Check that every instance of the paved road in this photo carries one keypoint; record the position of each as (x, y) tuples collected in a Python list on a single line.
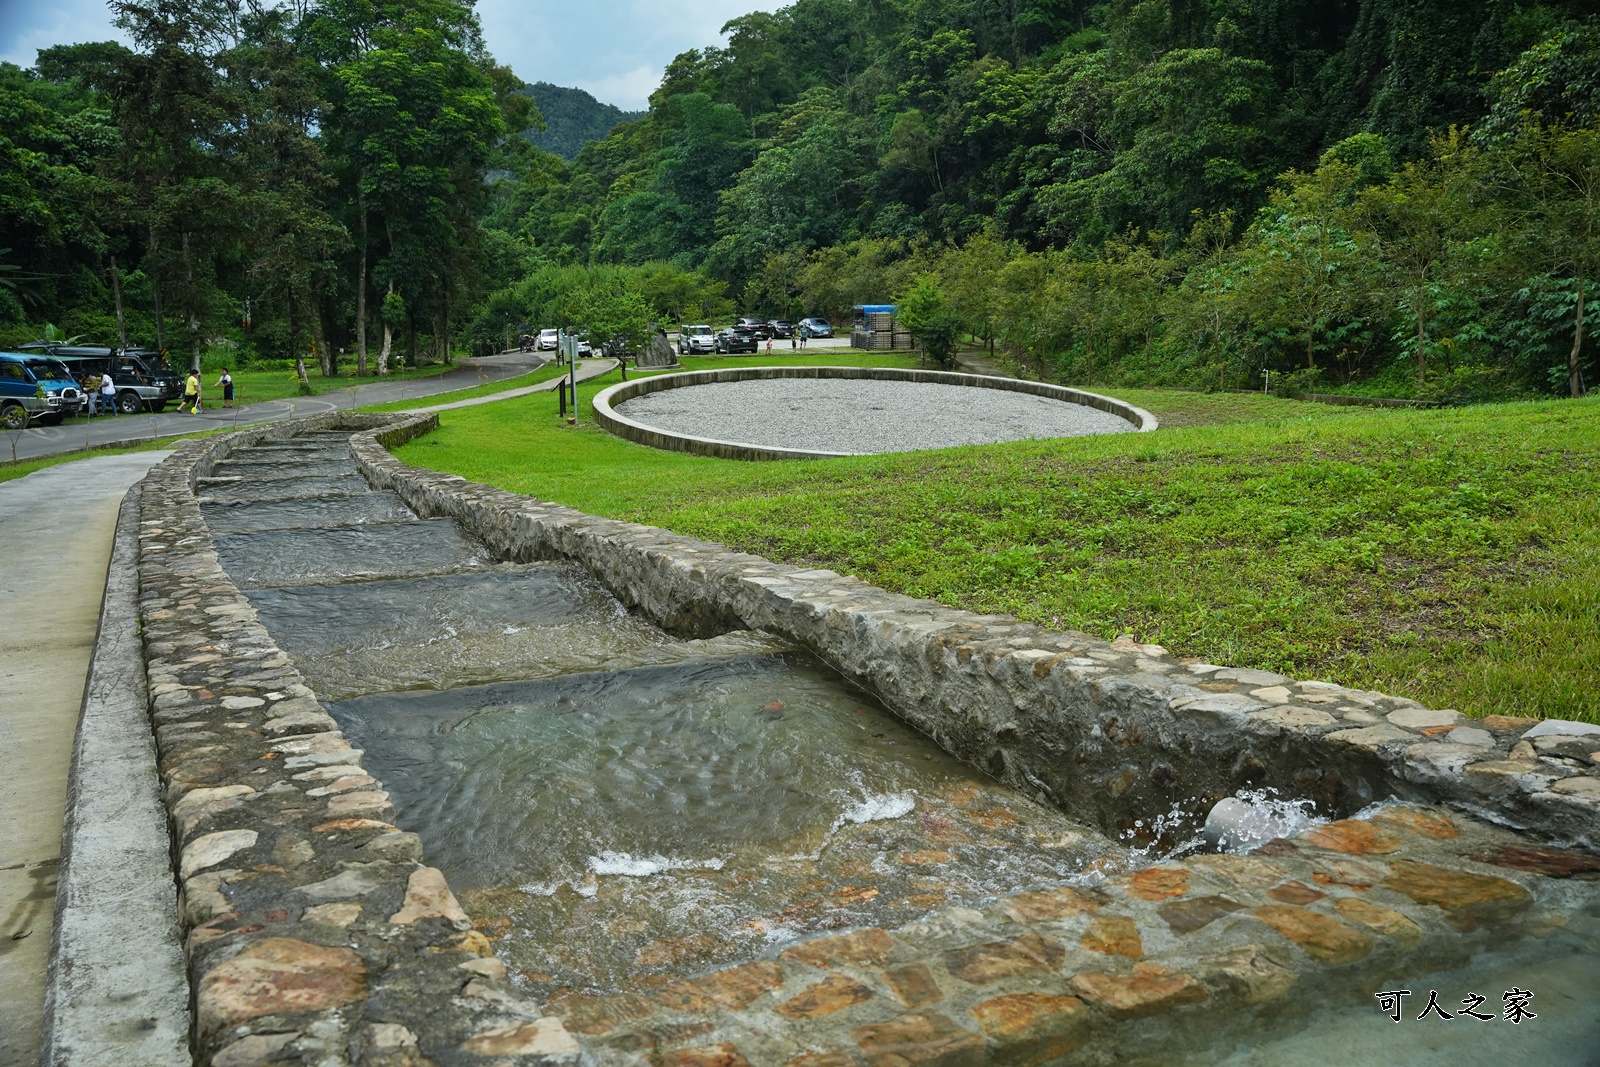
[(57, 526), (128, 429)]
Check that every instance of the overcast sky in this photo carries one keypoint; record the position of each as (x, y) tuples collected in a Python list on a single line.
[(616, 49)]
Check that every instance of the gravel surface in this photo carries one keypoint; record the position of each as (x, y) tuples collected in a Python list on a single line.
[(844, 415)]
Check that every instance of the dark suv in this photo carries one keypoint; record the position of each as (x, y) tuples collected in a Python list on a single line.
[(758, 327), (143, 380), (736, 339)]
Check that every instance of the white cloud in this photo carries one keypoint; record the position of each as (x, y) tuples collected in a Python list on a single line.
[(602, 47), (615, 49), (624, 89), (29, 25)]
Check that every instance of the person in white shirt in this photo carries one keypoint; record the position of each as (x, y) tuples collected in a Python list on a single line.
[(108, 393)]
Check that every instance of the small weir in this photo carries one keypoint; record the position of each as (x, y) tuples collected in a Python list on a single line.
[(616, 807)]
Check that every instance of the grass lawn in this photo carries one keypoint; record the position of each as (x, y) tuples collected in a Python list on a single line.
[(251, 386), (9, 470), (543, 374), (1448, 555)]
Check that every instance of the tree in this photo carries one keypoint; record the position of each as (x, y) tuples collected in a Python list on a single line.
[(923, 312), (1553, 176), (1413, 219)]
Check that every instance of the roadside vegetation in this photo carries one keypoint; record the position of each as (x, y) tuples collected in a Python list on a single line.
[(1450, 555)]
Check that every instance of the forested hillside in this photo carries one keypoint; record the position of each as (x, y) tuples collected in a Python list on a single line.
[(1392, 196), (572, 118), (1395, 191)]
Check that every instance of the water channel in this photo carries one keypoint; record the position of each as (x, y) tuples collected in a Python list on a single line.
[(616, 807)]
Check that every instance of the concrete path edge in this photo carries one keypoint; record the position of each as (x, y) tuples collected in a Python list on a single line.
[(117, 991)]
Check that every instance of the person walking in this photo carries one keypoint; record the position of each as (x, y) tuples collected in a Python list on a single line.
[(108, 393), (191, 393), (226, 381)]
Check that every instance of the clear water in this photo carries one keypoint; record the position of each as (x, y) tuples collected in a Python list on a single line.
[(301, 487), (615, 805), (532, 621), (1562, 972), (247, 516), (308, 556), (621, 827)]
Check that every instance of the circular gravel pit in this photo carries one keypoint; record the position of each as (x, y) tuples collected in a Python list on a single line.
[(799, 411)]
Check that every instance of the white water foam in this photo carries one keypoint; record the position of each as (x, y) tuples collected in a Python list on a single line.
[(644, 866), (878, 808)]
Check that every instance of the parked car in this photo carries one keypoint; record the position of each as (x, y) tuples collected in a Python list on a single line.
[(144, 381), (585, 349), (36, 388), (549, 340), (758, 327), (781, 329), (696, 340), (816, 328), (735, 339)]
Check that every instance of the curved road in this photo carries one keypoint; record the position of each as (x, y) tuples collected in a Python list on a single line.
[(135, 429)]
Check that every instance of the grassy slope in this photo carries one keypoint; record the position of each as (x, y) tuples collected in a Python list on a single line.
[(1452, 555)]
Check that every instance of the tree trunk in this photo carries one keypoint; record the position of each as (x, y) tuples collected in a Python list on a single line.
[(1311, 348), (1422, 337), (299, 356), (388, 341), (1574, 367), (192, 320), (361, 290), (116, 295), (319, 345), (155, 288)]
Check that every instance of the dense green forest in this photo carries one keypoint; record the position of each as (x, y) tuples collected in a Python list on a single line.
[(572, 118), (1389, 196)]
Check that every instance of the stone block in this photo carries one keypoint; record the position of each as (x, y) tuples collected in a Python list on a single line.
[(1150, 990), (982, 964), (279, 975), (1324, 939), (920, 1040), (1028, 1029)]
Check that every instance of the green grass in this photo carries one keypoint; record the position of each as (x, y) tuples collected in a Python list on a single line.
[(543, 374), (9, 470), (1448, 555), (252, 386)]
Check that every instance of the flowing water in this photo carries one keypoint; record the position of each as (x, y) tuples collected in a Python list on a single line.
[(615, 806)]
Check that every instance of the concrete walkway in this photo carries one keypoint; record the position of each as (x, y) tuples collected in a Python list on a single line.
[(57, 526), (105, 432)]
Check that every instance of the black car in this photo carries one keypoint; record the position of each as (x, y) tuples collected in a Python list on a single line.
[(736, 339), (758, 327), (781, 329), (144, 381)]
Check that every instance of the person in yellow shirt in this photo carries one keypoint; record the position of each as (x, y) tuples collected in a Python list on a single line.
[(191, 393)]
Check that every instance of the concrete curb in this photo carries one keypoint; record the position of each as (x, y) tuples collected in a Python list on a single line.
[(622, 426), (116, 990)]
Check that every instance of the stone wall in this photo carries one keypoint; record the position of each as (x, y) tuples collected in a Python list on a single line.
[(615, 422), (315, 933)]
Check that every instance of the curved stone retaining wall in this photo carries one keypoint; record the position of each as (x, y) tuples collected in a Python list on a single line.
[(315, 933), (606, 402)]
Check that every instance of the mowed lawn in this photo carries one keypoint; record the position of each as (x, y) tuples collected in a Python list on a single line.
[(1449, 555)]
